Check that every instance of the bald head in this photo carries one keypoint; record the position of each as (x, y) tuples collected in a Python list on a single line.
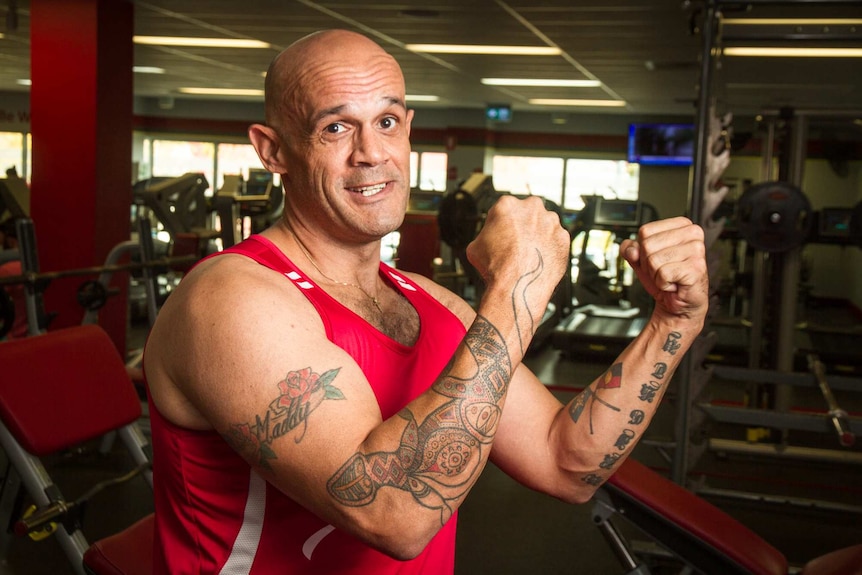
[(316, 58)]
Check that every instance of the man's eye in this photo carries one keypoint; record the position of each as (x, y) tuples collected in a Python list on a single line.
[(333, 129), (387, 123)]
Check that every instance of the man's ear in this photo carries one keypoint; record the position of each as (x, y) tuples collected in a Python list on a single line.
[(409, 121), (267, 144)]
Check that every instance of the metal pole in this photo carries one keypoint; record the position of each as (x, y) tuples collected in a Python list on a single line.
[(697, 190), (29, 251), (838, 416), (791, 263), (145, 237)]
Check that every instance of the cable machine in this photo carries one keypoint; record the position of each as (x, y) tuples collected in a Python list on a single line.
[(776, 273)]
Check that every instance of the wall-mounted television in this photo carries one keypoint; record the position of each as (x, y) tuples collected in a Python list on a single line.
[(661, 144)]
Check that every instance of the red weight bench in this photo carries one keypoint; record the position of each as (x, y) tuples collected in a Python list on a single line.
[(129, 552), (60, 390), (696, 532)]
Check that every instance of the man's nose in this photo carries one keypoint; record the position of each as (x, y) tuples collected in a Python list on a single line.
[(369, 147)]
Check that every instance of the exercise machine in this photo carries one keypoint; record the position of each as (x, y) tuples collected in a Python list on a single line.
[(61, 390), (697, 535), (775, 217), (776, 270), (14, 198), (92, 294), (181, 207), (248, 206), (460, 217), (609, 309)]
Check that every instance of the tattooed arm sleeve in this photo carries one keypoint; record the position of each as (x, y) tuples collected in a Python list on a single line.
[(439, 456)]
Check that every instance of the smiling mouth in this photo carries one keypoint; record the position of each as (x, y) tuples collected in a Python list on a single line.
[(369, 191)]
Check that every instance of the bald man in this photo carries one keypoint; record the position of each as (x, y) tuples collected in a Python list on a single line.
[(316, 411)]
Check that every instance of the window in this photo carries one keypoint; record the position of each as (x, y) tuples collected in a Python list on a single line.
[(432, 171), (429, 171), (237, 159), (414, 170), (564, 181), (528, 175), (29, 159), (12, 153), (607, 178), (175, 158)]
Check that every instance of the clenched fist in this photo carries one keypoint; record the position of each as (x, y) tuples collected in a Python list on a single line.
[(522, 249), (669, 258)]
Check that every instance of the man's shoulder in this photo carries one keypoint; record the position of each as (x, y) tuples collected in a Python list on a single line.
[(231, 286)]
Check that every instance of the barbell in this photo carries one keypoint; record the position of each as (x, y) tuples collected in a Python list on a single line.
[(91, 295), (35, 278)]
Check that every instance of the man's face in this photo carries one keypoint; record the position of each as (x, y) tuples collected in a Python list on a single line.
[(348, 153)]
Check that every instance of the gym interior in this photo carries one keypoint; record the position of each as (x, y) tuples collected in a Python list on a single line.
[(752, 464)]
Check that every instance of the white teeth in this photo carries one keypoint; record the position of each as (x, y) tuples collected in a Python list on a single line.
[(368, 191)]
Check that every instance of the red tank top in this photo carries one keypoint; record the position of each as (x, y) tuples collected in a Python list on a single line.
[(215, 515)]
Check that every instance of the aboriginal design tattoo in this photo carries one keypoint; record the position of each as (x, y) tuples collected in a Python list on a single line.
[(611, 380), (520, 306), (300, 393), (672, 345), (438, 459)]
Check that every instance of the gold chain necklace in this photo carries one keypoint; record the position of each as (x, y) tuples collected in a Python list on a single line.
[(373, 299)]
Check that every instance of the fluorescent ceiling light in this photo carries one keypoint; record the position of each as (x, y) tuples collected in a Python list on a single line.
[(792, 22), (200, 42), (476, 49), (421, 98), (221, 91), (541, 83), (148, 70), (24, 82), (588, 103), (778, 52)]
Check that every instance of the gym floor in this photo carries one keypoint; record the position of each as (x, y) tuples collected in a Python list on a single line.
[(505, 528)]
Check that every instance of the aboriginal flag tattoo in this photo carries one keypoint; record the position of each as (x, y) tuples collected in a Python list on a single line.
[(612, 379)]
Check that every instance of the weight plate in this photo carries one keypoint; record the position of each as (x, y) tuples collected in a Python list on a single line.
[(92, 295), (458, 219), (774, 216)]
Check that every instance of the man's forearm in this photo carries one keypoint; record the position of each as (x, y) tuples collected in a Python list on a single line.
[(612, 414), (444, 436)]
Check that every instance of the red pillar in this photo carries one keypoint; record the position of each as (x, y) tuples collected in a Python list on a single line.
[(81, 120)]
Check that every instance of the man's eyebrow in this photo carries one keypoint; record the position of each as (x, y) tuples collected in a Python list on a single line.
[(335, 110), (396, 101), (328, 112)]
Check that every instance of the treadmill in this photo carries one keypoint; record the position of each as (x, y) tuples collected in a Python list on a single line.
[(604, 318)]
